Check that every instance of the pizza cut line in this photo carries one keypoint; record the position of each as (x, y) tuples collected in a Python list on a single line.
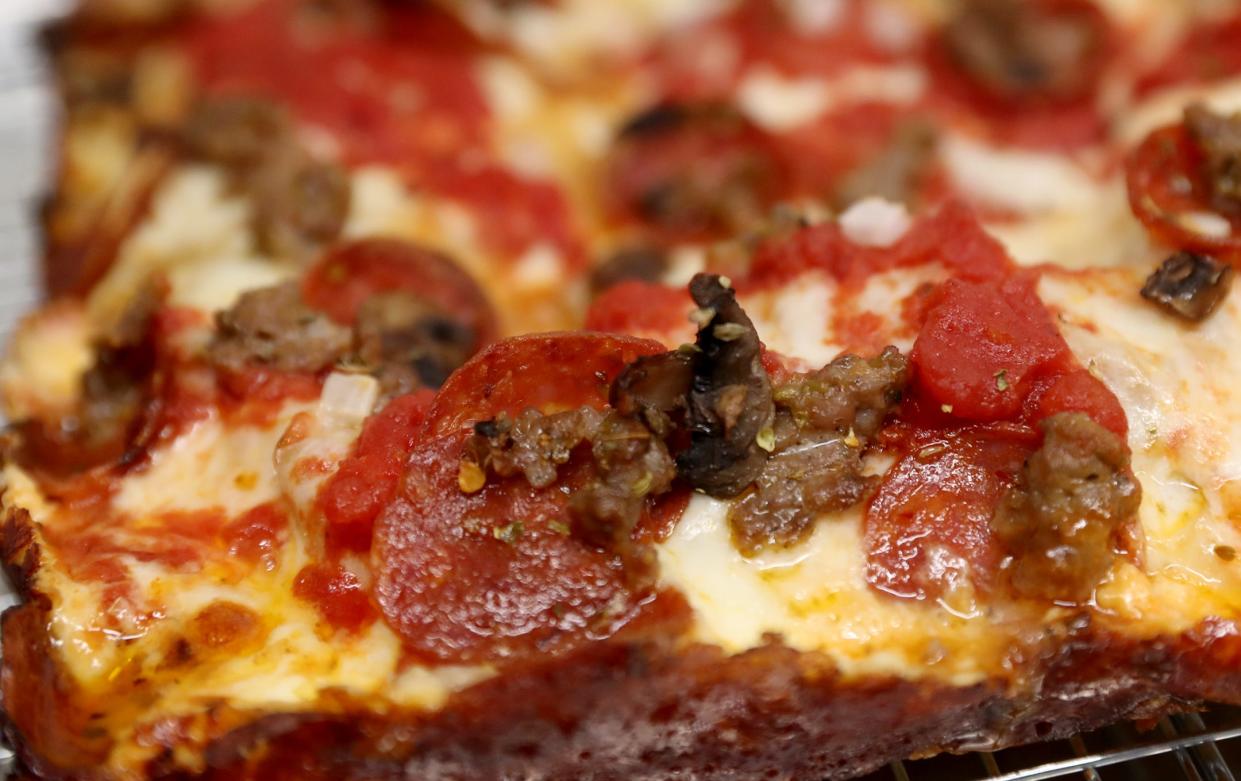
[(561, 389)]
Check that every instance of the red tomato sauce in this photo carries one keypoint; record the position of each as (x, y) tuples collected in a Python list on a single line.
[(257, 535), (644, 309), (401, 93), (367, 479), (338, 595)]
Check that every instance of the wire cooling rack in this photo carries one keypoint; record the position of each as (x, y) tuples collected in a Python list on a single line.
[(1188, 747), (1191, 747)]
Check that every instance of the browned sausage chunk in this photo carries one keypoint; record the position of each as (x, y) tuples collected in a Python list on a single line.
[(1026, 49), (273, 327), (1219, 138), (824, 421), (694, 170), (1062, 518), (408, 343)]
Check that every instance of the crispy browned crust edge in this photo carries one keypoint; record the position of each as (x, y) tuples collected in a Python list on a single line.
[(645, 709), (82, 232)]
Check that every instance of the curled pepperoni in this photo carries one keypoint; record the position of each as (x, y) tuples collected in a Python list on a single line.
[(548, 372), (1029, 69), (351, 274), (982, 347), (928, 527), (1168, 193)]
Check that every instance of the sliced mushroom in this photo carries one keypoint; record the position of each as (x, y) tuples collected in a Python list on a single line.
[(1189, 285), (730, 401)]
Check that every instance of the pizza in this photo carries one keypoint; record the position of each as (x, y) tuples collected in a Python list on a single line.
[(562, 389)]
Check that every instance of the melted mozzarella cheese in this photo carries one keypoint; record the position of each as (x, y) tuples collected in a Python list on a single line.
[(193, 220), (105, 641)]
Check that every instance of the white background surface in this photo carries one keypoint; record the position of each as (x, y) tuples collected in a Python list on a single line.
[(26, 116), (26, 119)]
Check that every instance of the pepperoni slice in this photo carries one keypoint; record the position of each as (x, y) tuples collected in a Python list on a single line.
[(495, 574), (982, 347), (644, 309), (549, 372), (350, 274), (928, 527), (1166, 189), (492, 575)]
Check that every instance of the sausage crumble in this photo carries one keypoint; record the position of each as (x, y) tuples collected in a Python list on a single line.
[(299, 203), (824, 421), (273, 327), (1062, 519)]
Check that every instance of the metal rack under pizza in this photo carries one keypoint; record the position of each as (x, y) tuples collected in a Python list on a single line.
[(1188, 747)]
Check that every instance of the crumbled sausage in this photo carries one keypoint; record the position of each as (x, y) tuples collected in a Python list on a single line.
[(273, 327), (631, 464), (1018, 50), (236, 132), (643, 263), (729, 402), (894, 173), (409, 343), (300, 205), (1219, 138), (532, 444), (702, 169), (1062, 518), (115, 392), (1189, 285), (824, 421)]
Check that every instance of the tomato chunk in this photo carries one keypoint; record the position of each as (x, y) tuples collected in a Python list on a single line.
[(366, 481), (982, 346)]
